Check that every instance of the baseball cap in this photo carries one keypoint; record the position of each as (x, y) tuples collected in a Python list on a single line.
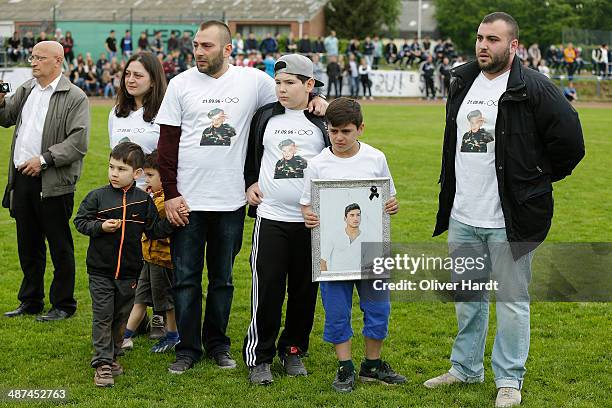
[(296, 64)]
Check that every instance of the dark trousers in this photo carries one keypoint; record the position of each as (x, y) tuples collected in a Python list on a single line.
[(38, 218), (337, 84), (430, 87), (220, 234), (281, 263), (365, 84), (111, 303)]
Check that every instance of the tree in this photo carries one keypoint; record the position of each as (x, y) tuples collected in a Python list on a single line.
[(360, 18)]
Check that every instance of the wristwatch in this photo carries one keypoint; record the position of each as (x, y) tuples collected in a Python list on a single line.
[(43, 163)]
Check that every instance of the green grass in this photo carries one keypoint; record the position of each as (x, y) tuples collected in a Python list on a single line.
[(570, 358)]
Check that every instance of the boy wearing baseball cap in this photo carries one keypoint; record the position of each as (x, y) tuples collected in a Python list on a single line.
[(284, 136)]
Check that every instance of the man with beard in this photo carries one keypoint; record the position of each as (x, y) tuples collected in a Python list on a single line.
[(501, 199), (208, 179)]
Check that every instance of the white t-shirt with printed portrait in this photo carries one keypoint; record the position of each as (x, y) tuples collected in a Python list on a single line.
[(133, 128), (290, 141), (214, 115), (477, 200)]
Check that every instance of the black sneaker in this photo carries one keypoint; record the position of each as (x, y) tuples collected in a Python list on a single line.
[(383, 374), (224, 360), (292, 362), (181, 365), (345, 380), (260, 374)]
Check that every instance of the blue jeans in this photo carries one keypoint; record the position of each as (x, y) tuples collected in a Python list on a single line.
[(511, 345), (220, 233), (354, 83)]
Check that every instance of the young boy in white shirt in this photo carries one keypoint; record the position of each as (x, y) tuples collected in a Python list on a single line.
[(347, 158), (283, 138)]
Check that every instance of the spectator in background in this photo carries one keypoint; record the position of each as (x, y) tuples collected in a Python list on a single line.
[(91, 80), (186, 63), (391, 52), (304, 45), (268, 46), (170, 66), (240, 61), (331, 45), (428, 70), (345, 72), (438, 51), (579, 60), (334, 76), (570, 92), (319, 47), (417, 51), (535, 56), (449, 49), (290, 45), (14, 49), (110, 44), (79, 75), (569, 57), (353, 47), (522, 53), (459, 61), (28, 43), (378, 51), (605, 60), (173, 44), (106, 81), (68, 45), (157, 47), (427, 45), (364, 77), (405, 54), (102, 61), (58, 35), (445, 77), (186, 45), (251, 43), (143, 42), (237, 45), (127, 46), (269, 62), (41, 37), (353, 71), (543, 68), (318, 68), (551, 56), (368, 51)]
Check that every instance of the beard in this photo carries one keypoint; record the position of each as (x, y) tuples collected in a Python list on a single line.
[(498, 62), (215, 63)]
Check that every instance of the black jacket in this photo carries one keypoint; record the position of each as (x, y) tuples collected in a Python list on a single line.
[(106, 249), (538, 140), (256, 147)]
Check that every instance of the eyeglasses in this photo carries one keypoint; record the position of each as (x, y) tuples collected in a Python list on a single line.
[(36, 58)]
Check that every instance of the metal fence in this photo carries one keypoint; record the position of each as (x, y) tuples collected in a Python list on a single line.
[(586, 37)]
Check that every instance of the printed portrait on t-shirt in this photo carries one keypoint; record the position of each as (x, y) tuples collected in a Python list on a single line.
[(291, 165), (218, 133), (475, 140)]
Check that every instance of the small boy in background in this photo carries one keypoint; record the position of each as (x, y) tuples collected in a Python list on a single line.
[(346, 159), (155, 282), (115, 217)]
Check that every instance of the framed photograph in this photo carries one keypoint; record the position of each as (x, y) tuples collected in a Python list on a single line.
[(354, 227)]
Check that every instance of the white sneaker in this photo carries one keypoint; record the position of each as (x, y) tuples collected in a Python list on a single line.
[(444, 379), (507, 397), (127, 344)]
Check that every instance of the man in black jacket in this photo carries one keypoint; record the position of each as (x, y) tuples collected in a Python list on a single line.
[(500, 198)]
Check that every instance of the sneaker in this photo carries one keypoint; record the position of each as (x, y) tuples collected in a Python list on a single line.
[(444, 379), (116, 369), (181, 365), (508, 397), (157, 327), (292, 362), (260, 374), (383, 374), (345, 380), (104, 376), (164, 344), (128, 344), (224, 360)]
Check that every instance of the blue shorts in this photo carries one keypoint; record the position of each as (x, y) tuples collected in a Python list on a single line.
[(338, 301)]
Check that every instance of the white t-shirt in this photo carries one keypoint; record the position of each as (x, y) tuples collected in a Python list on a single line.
[(214, 115), (281, 180), (369, 162), (133, 129), (477, 200)]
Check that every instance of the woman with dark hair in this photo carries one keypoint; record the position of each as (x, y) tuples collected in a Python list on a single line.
[(140, 94), (68, 44)]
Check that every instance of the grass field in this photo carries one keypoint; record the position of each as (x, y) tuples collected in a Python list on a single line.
[(571, 349)]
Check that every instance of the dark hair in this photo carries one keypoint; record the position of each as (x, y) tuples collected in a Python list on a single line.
[(129, 153), (152, 100), (150, 161), (342, 111), (350, 208), (225, 35), (507, 18)]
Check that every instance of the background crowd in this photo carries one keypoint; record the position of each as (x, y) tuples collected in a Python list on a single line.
[(349, 62)]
